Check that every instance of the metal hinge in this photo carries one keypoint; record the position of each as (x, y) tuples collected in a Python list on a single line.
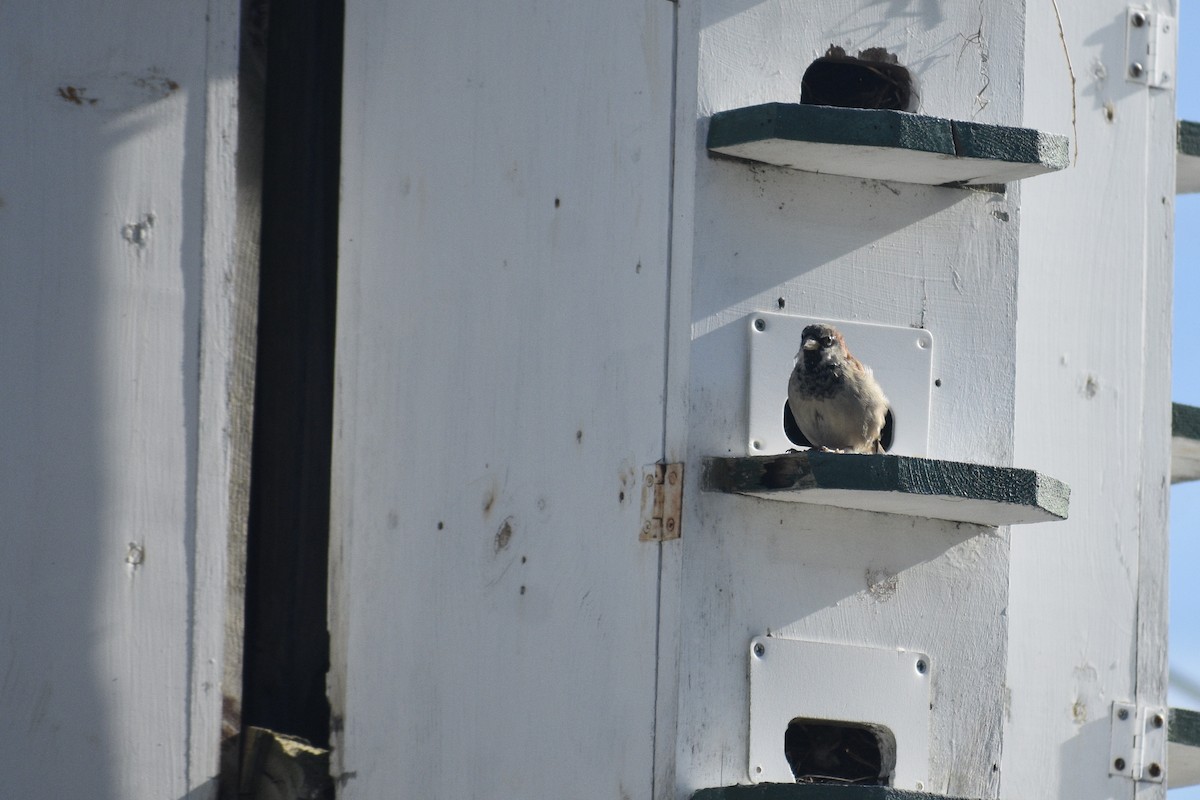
[(1138, 748), (1149, 47), (662, 502)]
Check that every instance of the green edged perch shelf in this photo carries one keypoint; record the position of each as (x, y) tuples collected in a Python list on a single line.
[(1183, 748), (885, 145), (811, 791), (1187, 157), (915, 487), (1185, 443)]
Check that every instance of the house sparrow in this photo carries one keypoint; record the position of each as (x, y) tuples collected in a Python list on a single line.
[(834, 398)]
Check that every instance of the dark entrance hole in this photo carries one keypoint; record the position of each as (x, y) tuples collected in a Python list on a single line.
[(826, 751), (871, 80)]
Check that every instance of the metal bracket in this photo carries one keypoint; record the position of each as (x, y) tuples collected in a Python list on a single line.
[(1149, 47), (662, 502), (1138, 747)]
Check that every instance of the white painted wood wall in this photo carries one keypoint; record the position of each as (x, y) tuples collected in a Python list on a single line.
[(116, 257), (505, 371), (542, 278)]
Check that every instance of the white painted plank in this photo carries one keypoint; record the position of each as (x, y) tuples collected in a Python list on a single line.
[(114, 229), (1185, 443), (501, 357), (1187, 175), (1087, 618), (771, 239)]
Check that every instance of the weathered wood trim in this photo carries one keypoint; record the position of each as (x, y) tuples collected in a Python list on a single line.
[(899, 145), (949, 490)]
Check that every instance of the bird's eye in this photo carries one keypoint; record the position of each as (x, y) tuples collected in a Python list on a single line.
[(826, 341)]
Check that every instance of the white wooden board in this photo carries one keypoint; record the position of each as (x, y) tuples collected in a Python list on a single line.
[(500, 389), (1087, 612), (884, 163), (116, 297), (774, 240)]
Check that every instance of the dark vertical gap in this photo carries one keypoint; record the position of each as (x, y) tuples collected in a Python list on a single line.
[(286, 654)]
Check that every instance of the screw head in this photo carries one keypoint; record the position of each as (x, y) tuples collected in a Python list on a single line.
[(922, 666), (1136, 70), (760, 324), (1119, 765), (1159, 721), (1155, 770), (1123, 713), (1137, 19), (759, 649)]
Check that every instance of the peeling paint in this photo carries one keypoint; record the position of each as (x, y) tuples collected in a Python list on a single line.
[(138, 233), (503, 535)]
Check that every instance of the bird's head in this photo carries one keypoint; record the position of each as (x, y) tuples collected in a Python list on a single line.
[(821, 343)]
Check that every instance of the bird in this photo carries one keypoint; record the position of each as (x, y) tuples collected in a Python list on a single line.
[(834, 398)]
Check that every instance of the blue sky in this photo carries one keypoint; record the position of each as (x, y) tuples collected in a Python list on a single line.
[(1184, 645)]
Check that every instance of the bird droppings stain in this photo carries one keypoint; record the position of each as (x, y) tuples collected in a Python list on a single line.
[(541, 504), (489, 500), (441, 525), (1079, 712), (1090, 387), (557, 202), (156, 84), (579, 437), (1110, 111), (638, 268), (882, 584), (504, 535), (522, 590), (135, 555), (937, 382), (781, 302), (138, 233), (621, 496), (524, 559), (393, 520), (76, 95), (1000, 214)]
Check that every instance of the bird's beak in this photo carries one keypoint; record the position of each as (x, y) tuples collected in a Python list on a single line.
[(810, 344)]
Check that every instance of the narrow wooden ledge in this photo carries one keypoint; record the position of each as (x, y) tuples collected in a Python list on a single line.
[(885, 145), (915, 487), (1185, 443), (1183, 748), (1187, 157), (811, 791)]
